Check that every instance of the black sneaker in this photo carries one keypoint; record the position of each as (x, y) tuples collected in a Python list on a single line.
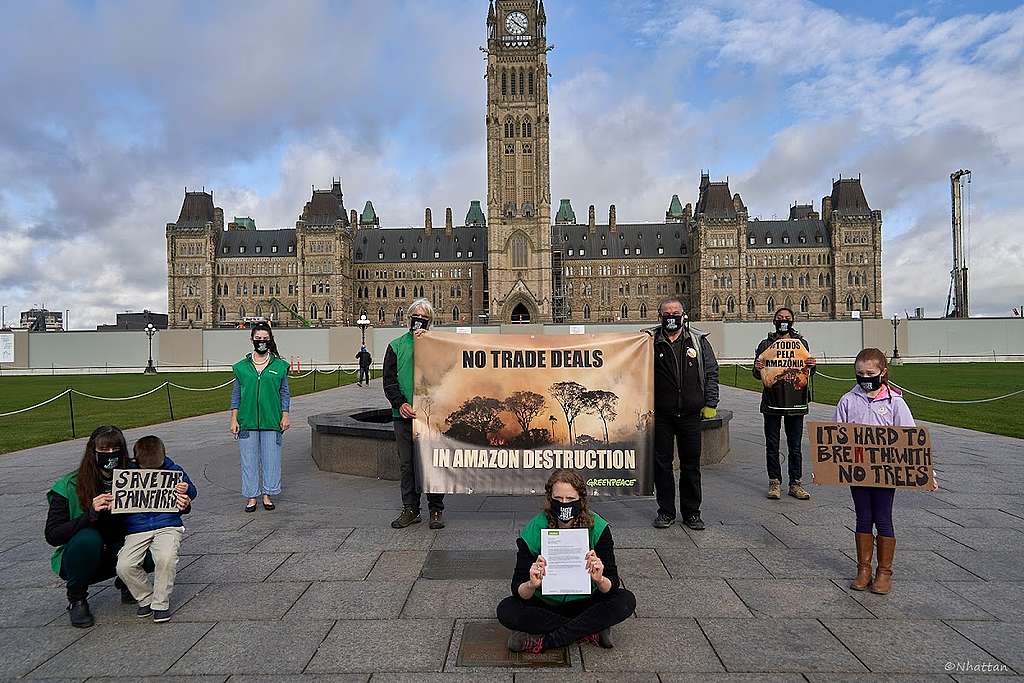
[(408, 517), (663, 521), (143, 611), (80, 614), (604, 638), (694, 522), (435, 520), (161, 615)]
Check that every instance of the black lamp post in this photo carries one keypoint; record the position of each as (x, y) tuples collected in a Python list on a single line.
[(895, 346), (363, 323), (150, 331)]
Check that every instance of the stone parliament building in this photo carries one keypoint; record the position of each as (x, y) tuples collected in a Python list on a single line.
[(511, 261)]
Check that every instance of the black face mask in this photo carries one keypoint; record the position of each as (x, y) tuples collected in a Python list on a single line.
[(418, 322), (783, 326), (869, 383), (261, 345), (566, 512), (671, 323), (108, 461)]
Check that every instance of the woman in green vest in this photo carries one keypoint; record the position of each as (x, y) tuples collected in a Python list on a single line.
[(260, 401), (80, 526), (539, 622)]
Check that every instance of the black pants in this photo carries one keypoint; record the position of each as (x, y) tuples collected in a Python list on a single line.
[(87, 560), (794, 432), (570, 621), (364, 375), (411, 489), (669, 431)]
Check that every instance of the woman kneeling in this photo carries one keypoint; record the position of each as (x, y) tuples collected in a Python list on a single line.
[(540, 622)]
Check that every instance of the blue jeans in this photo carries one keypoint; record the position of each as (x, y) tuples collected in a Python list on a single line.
[(261, 455)]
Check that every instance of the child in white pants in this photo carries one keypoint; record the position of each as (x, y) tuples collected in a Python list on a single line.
[(159, 534)]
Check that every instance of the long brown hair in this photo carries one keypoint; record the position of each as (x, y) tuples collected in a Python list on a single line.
[(585, 520), (264, 327), (88, 482)]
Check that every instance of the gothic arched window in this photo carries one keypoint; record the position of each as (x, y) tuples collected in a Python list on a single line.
[(512, 80), (222, 314), (519, 255), (456, 314), (804, 305), (328, 313), (643, 311), (750, 305), (530, 81), (586, 311), (770, 306), (510, 128), (241, 312), (624, 312), (312, 311), (849, 302), (522, 82), (824, 304), (504, 83), (380, 314), (199, 312), (183, 313), (864, 304), (730, 305)]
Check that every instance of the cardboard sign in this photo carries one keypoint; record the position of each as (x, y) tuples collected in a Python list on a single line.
[(784, 362), (849, 454), (145, 491)]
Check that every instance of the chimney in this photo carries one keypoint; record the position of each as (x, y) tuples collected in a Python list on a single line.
[(428, 224), (611, 218), (591, 221), (353, 219), (448, 221)]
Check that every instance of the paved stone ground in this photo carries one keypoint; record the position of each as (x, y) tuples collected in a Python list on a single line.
[(323, 589)]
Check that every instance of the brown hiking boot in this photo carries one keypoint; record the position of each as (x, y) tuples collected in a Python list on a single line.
[(408, 517), (865, 547), (435, 520), (774, 489), (797, 490), (883, 573)]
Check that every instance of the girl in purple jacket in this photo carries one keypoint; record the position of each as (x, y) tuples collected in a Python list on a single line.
[(873, 402)]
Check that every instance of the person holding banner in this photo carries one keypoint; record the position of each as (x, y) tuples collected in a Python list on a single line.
[(685, 391), (80, 526), (784, 401), (157, 534), (398, 388), (873, 402), (540, 622), (260, 402)]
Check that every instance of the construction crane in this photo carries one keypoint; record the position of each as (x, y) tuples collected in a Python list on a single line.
[(293, 312), (957, 305)]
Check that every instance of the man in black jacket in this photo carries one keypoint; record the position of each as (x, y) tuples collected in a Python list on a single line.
[(783, 403), (365, 360), (685, 391)]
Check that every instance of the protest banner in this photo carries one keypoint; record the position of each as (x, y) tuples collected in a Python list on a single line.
[(145, 491), (848, 454), (495, 414), (785, 374)]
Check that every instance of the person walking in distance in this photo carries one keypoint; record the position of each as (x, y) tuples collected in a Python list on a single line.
[(398, 387), (685, 391), (784, 403), (365, 360)]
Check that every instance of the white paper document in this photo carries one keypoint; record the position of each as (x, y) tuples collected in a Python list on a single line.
[(565, 551)]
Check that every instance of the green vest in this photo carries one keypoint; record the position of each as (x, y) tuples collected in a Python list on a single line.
[(66, 487), (260, 405), (403, 348), (531, 536)]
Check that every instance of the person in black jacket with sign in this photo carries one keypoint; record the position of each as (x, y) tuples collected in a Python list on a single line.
[(783, 403), (685, 391)]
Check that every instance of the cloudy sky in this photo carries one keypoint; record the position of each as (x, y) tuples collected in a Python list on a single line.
[(111, 109)]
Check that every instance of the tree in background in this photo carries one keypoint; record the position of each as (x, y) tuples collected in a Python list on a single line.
[(569, 396), (602, 403), (475, 420), (525, 405)]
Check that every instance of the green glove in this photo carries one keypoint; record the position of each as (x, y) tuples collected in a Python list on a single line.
[(708, 413)]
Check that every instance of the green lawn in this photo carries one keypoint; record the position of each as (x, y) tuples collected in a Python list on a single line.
[(52, 422), (948, 381)]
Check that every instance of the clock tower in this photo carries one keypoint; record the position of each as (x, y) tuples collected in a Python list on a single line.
[(518, 180)]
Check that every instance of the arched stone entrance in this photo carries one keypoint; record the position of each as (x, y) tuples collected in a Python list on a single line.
[(520, 314)]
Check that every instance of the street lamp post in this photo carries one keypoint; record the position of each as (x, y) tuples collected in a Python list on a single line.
[(150, 331), (895, 346), (3, 318), (363, 323)]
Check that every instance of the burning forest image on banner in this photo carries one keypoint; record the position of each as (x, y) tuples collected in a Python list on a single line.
[(496, 414)]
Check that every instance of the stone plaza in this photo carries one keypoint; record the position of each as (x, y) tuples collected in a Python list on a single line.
[(323, 589)]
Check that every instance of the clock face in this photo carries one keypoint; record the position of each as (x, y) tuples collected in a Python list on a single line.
[(515, 23)]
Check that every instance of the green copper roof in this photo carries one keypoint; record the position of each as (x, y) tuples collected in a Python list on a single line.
[(565, 213), (368, 216), (675, 209), (475, 215), (245, 222)]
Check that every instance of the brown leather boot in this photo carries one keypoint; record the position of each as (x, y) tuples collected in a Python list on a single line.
[(883, 574), (865, 547)]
